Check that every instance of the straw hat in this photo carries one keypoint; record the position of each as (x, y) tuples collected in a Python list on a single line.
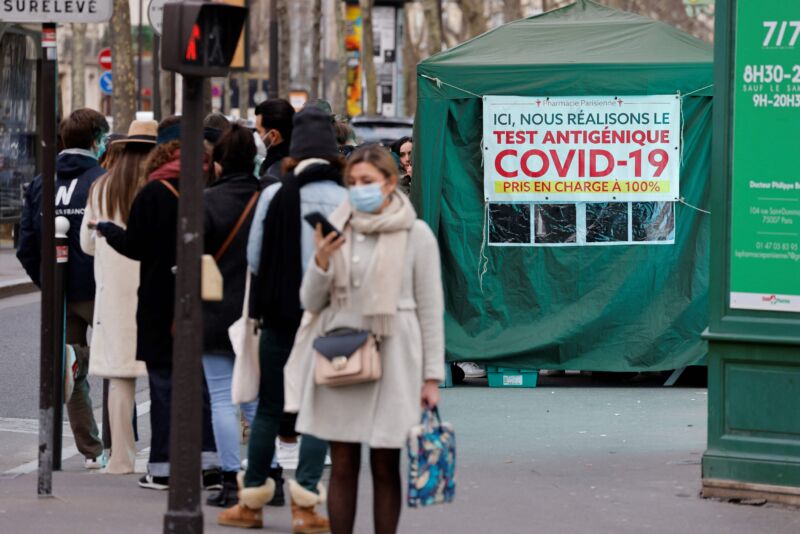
[(140, 132)]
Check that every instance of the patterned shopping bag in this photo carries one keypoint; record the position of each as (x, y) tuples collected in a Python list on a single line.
[(432, 461)]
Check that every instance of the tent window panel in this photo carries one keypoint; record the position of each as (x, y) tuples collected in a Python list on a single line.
[(555, 223), (653, 221), (509, 224), (606, 222)]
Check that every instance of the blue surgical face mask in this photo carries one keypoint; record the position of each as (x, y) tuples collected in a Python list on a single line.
[(257, 161), (101, 145), (367, 198)]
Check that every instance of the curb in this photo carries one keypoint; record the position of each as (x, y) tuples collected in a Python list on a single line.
[(19, 286)]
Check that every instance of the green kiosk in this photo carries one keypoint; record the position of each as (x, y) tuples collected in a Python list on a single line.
[(754, 329)]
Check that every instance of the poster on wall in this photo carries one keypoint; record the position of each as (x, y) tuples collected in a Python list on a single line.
[(765, 181), (352, 45), (597, 149)]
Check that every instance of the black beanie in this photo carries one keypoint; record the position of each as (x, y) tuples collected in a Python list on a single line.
[(312, 135)]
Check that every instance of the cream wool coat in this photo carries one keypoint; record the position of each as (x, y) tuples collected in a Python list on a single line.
[(378, 413), (113, 349)]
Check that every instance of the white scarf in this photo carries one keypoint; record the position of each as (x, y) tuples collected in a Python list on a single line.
[(385, 272)]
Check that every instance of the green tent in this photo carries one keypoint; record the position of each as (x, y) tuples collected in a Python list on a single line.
[(600, 308)]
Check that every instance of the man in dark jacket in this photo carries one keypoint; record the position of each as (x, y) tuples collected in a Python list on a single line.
[(83, 135), (274, 124)]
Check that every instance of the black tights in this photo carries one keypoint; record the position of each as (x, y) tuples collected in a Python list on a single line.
[(385, 466)]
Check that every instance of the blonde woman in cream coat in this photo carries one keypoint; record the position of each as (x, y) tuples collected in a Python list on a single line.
[(382, 275)]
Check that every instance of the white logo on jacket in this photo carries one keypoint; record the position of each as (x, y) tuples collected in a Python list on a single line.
[(64, 194)]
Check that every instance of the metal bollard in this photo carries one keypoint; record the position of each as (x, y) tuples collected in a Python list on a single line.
[(59, 333)]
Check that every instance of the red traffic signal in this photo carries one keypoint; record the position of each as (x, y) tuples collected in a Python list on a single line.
[(200, 38)]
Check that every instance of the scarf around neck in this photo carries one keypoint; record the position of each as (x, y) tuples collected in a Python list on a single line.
[(280, 273), (171, 169), (384, 275)]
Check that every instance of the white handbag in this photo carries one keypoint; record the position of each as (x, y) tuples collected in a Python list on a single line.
[(244, 335)]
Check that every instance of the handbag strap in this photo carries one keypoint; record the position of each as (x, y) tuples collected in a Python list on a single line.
[(242, 218), (246, 303), (429, 416), (171, 188)]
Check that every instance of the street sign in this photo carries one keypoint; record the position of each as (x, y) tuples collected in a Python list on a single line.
[(155, 14), (54, 11), (106, 83), (104, 59)]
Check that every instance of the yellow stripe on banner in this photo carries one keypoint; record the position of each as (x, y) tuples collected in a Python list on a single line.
[(569, 187)]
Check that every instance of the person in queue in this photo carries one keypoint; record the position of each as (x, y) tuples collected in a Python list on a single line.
[(150, 238), (113, 350), (83, 136), (274, 126), (281, 245), (381, 275), (402, 148), (229, 203)]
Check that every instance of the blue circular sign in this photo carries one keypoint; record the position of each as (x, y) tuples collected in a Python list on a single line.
[(106, 85)]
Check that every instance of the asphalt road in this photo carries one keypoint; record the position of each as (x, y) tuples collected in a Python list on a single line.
[(19, 358), (19, 383)]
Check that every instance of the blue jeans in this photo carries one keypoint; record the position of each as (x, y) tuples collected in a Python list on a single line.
[(224, 414)]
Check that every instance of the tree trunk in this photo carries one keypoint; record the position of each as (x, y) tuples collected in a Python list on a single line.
[(474, 17), (316, 45), (123, 101), (411, 56), (167, 92), (284, 48), (78, 66), (340, 101), (367, 56), (433, 19), (512, 10)]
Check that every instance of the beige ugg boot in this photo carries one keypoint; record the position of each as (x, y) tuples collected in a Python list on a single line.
[(248, 513), (305, 520)]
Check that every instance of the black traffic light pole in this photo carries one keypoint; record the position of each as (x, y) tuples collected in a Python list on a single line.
[(48, 388), (185, 513)]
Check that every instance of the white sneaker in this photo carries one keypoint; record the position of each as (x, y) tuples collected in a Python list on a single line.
[(93, 463), (472, 370), (288, 454)]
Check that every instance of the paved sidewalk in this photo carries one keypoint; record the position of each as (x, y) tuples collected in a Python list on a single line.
[(13, 279), (554, 459)]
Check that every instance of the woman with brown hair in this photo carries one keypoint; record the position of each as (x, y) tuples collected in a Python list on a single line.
[(150, 238), (113, 349)]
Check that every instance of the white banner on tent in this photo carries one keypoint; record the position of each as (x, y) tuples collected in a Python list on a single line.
[(589, 148)]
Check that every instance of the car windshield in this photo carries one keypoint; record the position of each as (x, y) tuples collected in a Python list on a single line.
[(381, 131)]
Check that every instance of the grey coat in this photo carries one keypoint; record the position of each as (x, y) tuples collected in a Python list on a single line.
[(378, 413)]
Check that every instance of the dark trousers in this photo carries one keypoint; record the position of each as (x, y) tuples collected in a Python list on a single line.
[(160, 379), (273, 354), (79, 407)]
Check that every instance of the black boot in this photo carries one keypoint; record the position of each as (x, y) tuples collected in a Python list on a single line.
[(212, 479), (278, 499), (228, 495)]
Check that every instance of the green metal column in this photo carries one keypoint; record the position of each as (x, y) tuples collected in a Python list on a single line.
[(754, 328)]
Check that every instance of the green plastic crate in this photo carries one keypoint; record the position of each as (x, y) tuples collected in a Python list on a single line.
[(501, 377)]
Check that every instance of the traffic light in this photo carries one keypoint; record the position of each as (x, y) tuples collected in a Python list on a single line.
[(200, 38)]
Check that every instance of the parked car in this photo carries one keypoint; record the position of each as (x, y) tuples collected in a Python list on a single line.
[(382, 130)]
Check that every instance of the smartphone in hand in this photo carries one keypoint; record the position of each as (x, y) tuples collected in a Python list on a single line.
[(316, 218)]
